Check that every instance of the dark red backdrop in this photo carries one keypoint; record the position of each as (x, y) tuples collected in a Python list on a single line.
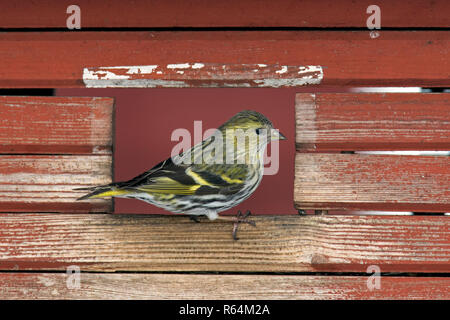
[(145, 119)]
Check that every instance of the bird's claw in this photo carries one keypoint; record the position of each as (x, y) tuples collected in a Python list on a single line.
[(194, 218), (242, 218)]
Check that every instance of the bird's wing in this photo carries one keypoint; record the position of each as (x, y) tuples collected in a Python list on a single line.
[(219, 178), (170, 178), (143, 178)]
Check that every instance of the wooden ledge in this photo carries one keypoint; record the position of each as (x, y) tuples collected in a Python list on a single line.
[(234, 287), (101, 242)]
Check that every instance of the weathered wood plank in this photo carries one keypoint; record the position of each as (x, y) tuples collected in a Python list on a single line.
[(233, 13), (46, 183), (372, 182), (372, 121), (235, 287), (203, 75), (347, 58), (100, 242), (55, 125)]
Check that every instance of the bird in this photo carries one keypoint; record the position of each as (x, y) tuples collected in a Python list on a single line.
[(214, 175)]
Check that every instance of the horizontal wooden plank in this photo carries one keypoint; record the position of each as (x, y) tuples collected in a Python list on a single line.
[(46, 183), (183, 75), (372, 182), (372, 121), (55, 125), (101, 242), (239, 287), (233, 13), (346, 58)]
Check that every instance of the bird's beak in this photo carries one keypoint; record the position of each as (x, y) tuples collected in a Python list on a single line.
[(277, 135)]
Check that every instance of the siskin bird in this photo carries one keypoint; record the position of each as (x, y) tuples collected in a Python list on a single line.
[(217, 174)]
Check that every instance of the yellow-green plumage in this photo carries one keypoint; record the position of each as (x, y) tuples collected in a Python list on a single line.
[(210, 177)]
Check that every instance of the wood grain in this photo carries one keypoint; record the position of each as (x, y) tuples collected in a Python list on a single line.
[(232, 13), (55, 125), (372, 121), (348, 58), (229, 287), (46, 183), (100, 242), (372, 182)]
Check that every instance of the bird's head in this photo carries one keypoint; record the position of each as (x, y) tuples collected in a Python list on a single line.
[(242, 139), (254, 125)]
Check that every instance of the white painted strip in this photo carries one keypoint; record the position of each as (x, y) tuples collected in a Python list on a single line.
[(101, 75), (197, 65), (215, 75), (283, 69), (179, 66), (137, 83), (386, 89), (293, 82), (408, 153), (305, 78)]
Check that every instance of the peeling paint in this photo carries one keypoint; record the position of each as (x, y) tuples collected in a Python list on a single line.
[(197, 65), (202, 75), (311, 75), (236, 85), (142, 69), (100, 74), (276, 83), (283, 69), (136, 83), (304, 69), (179, 66)]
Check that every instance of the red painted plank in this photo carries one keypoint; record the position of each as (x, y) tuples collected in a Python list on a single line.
[(372, 121), (230, 286), (46, 183), (232, 13), (347, 58), (372, 182), (55, 125), (101, 242)]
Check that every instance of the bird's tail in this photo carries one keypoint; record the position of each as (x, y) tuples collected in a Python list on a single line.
[(109, 190)]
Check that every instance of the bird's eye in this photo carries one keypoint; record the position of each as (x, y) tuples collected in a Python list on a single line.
[(258, 131)]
